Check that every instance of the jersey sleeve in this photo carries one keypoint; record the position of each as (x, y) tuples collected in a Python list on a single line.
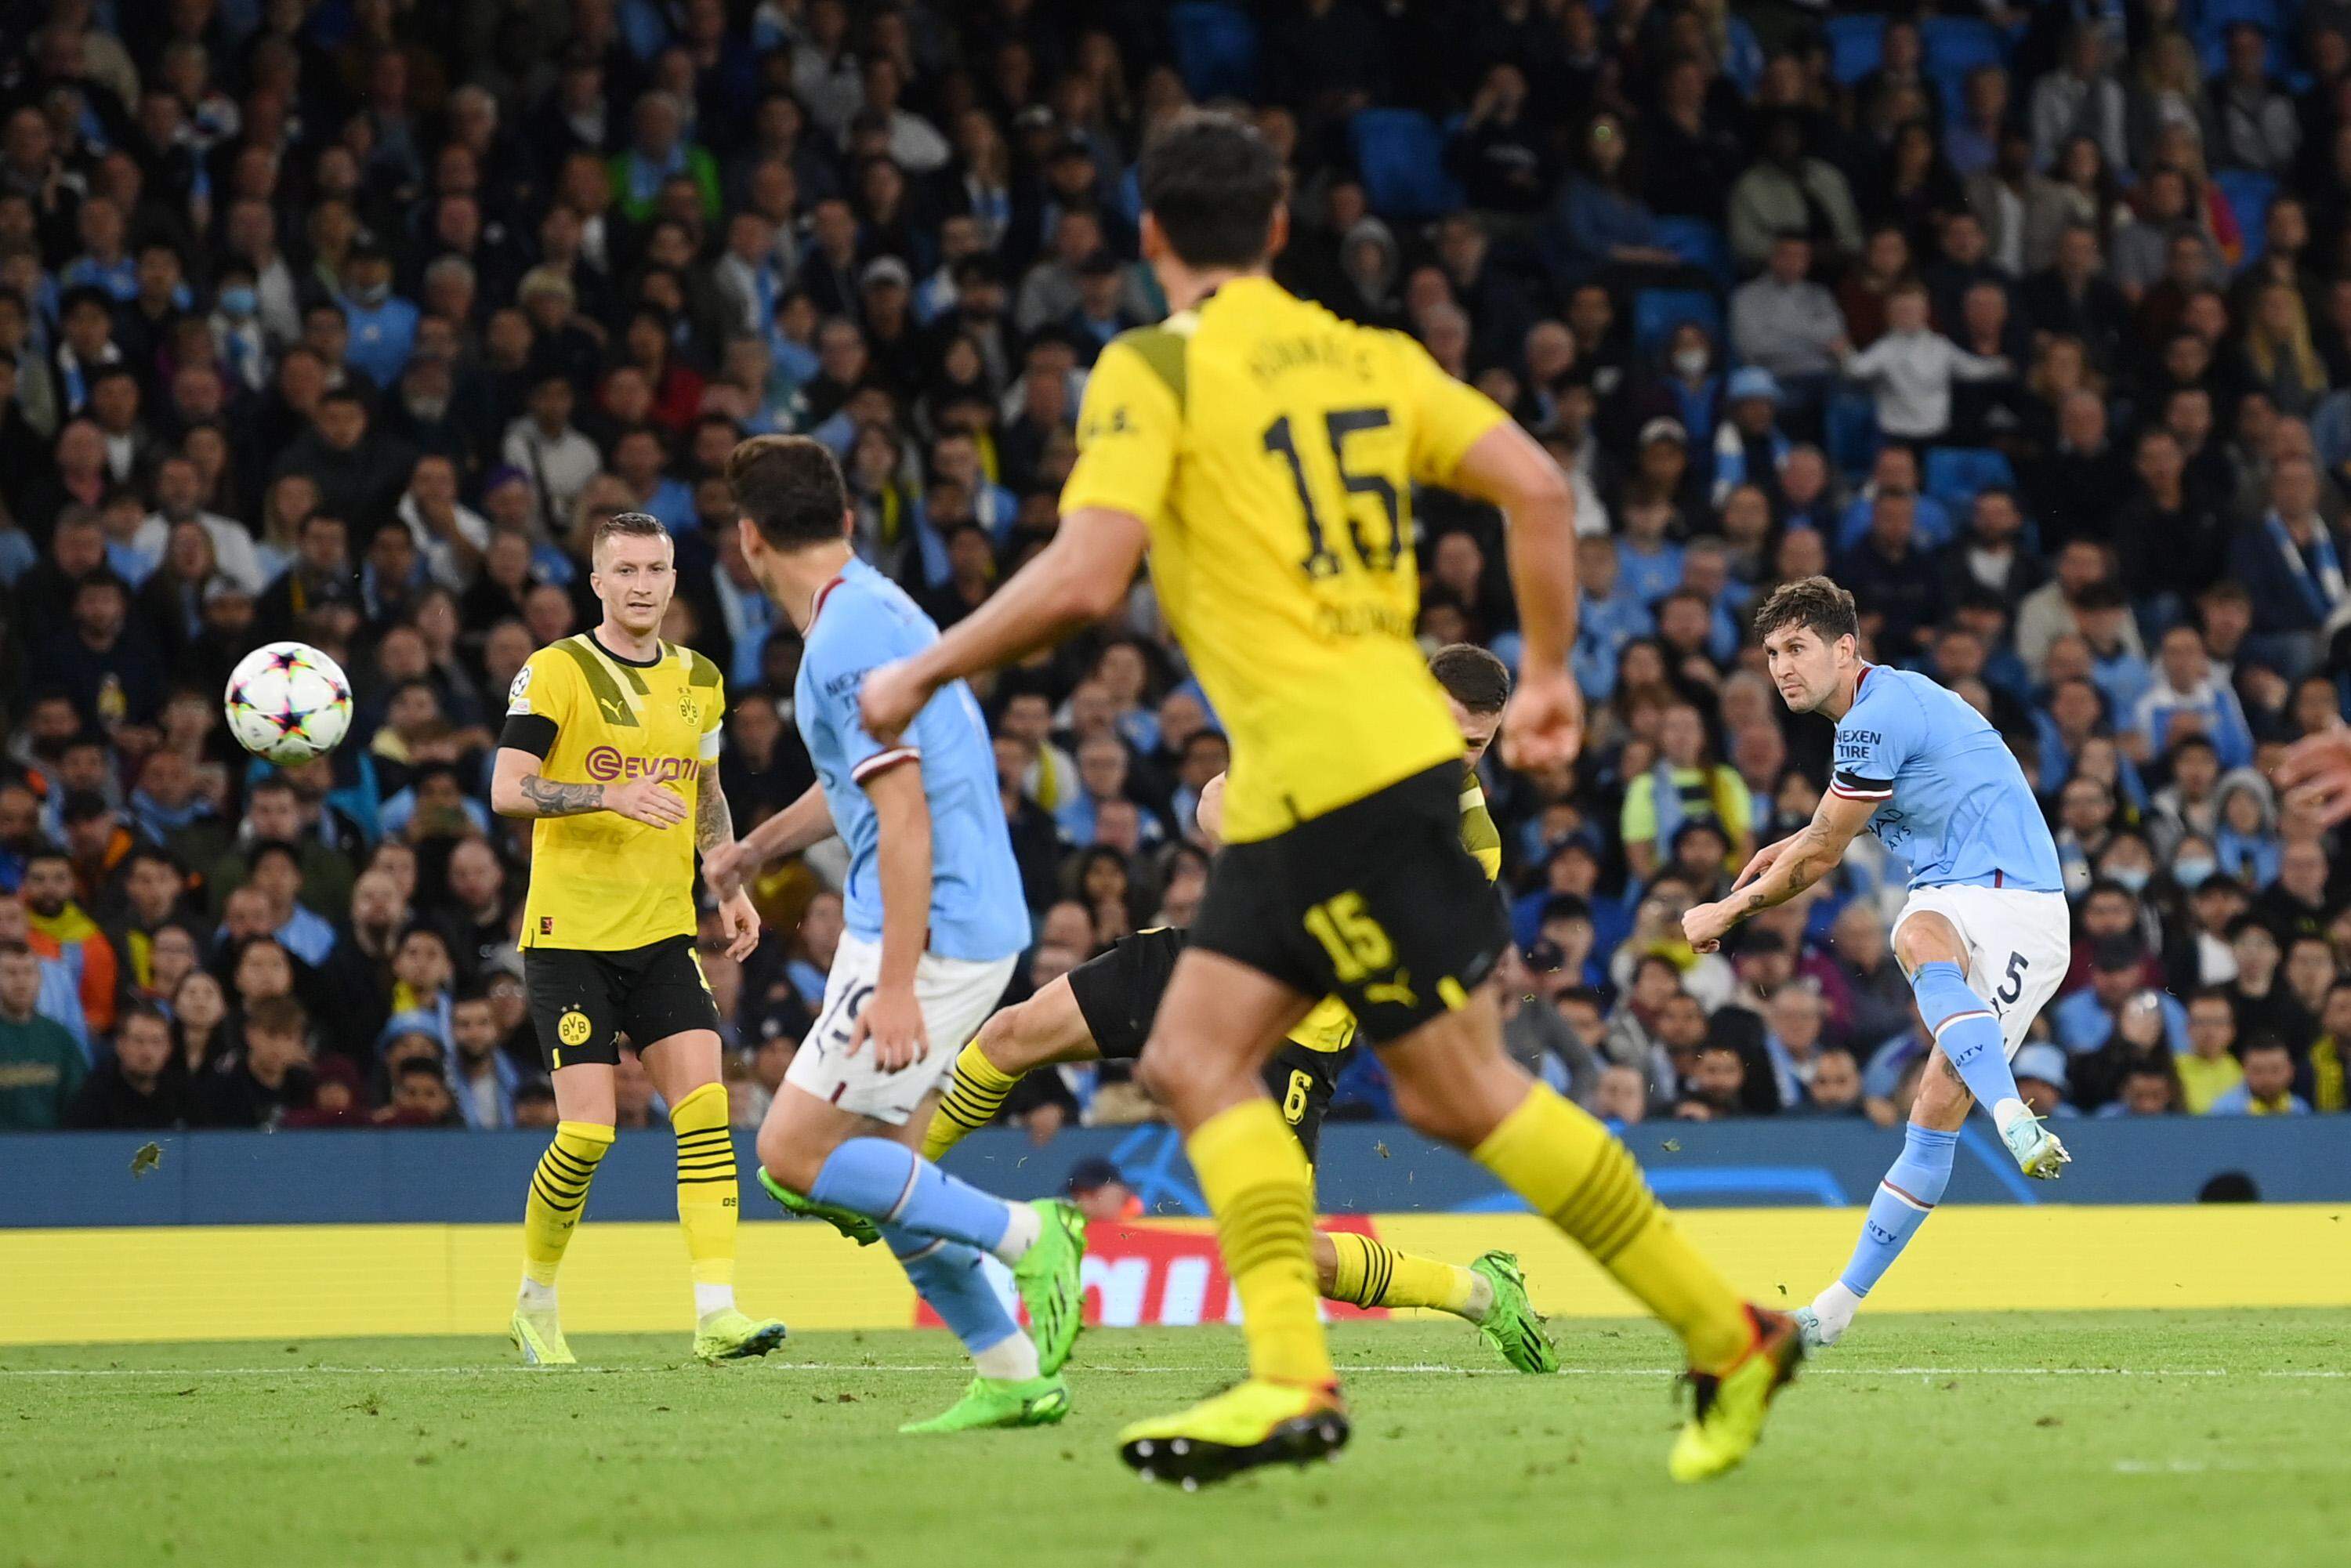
[(707, 677), (1127, 430), (1447, 417), (838, 668), (1872, 741), (540, 703), (1479, 836)]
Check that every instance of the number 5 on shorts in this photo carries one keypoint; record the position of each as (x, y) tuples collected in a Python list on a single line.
[(1357, 945)]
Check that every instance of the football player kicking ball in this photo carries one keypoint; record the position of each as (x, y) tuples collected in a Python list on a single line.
[(1102, 1010), (935, 921), (611, 743), (1985, 936), (1264, 452)]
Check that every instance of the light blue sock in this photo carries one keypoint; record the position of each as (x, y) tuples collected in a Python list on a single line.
[(949, 1276), (890, 1184), (1964, 1025), (1908, 1194)]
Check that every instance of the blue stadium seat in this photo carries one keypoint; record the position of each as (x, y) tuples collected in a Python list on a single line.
[(1400, 155), (1699, 243), (1956, 476), (1955, 45), (2249, 195), (1857, 46), (1657, 311), (1216, 48), (1851, 421)]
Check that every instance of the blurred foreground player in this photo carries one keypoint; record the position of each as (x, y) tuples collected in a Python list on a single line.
[(1102, 1009), (611, 743), (1265, 451)]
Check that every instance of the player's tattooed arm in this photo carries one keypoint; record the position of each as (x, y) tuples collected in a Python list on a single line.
[(1815, 850), (549, 799), (1788, 868), (713, 823)]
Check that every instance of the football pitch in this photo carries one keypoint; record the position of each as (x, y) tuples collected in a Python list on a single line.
[(2074, 1439)]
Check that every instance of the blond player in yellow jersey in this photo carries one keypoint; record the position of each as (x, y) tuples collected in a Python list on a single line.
[(1264, 452), (1101, 1011), (611, 745)]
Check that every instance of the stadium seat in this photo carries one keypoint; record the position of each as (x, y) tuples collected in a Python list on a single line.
[(1857, 46), (1657, 311), (1401, 156), (1955, 45), (1956, 476), (2249, 195), (1851, 432), (1216, 48), (1699, 243)]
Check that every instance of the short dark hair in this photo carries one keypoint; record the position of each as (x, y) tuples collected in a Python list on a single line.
[(277, 1016), (1211, 184), (1814, 603), (626, 524), (2263, 1040), (792, 489), (1472, 676), (146, 1011)]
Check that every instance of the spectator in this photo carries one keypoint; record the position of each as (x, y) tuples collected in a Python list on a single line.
[(269, 1079), (2266, 1088), (1912, 367), (1788, 193), (42, 1065), (135, 1089)]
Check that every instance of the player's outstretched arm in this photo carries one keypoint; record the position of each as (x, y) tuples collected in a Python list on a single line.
[(1506, 469), (806, 823), (1797, 861), (1079, 577), (518, 789)]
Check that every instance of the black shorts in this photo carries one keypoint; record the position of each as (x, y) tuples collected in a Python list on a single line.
[(1118, 994), (1375, 903), (581, 1002)]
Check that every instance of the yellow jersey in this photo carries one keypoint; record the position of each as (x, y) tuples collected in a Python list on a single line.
[(599, 880), (1331, 1028), (1272, 449)]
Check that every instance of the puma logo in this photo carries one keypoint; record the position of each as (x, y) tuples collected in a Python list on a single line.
[(615, 708), (1397, 991)]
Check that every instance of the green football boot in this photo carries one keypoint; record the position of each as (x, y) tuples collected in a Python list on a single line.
[(850, 1223), (993, 1402), (1047, 1276), (540, 1337), (1511, 1325)]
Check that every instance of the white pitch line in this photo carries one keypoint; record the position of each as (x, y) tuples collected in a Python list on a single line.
[(1180, 1370)]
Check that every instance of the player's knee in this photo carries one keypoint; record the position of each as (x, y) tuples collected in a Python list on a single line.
[(1166, 1072), (1012, 1041), (1927, 938), (792, 1161)]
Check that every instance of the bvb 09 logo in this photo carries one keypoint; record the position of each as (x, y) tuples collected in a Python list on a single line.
[(572, 1028)]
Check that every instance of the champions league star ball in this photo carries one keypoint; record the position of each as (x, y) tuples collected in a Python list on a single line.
[(288, 703)]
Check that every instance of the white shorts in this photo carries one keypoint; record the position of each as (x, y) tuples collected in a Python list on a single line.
[(956, 995), (2018, 945)]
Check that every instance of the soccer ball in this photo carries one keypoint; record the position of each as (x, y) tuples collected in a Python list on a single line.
[(288, 703)]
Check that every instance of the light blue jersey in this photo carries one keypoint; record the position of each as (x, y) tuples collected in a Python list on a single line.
[(1955, 803), (978, 910)]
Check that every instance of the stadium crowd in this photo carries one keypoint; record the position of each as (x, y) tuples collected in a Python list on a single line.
[(347, 320)]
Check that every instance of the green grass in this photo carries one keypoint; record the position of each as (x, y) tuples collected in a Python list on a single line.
[(2079, 1439)]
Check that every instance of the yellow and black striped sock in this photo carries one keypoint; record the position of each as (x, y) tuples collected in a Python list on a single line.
[(1371, 1273), (1255, 1179), (1574, 1174), (970, 1103), (707, 1194), (559, 1189)]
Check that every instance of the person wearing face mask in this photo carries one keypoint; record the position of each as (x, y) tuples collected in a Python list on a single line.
[(237, 331), (382, 325)]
